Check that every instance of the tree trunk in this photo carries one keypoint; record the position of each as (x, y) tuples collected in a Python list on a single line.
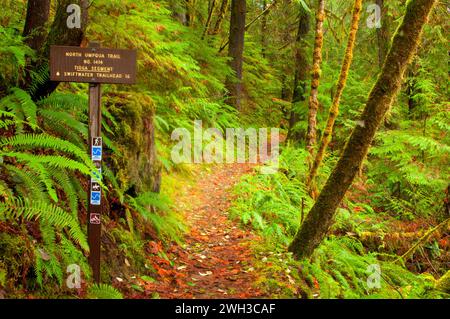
[(35, 30), (190, 17), (334, 109), (301, 71), (317, 61), (236, 51), (404, 46), (263, 30), (222, 12), (383, 34), (211, 7), (411, 89), (59, 34)]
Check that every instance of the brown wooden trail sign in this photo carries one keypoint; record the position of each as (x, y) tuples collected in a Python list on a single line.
[(93, 65)]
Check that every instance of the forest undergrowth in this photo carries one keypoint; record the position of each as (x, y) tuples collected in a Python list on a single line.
[(184, 230)]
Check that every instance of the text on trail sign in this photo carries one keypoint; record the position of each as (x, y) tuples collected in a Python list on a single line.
[(92, 65)]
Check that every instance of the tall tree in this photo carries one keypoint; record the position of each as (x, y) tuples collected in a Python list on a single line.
[(211, 8), (59, 34), (264, 29), (35, 29), (334, 109), (317, 61), (220, 17), (301, 70), (190, 16), (236, 51), (285, 68), (383, 33), (404, 46)]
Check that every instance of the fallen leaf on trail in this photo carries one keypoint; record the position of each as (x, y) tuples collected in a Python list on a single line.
[(205, 274)]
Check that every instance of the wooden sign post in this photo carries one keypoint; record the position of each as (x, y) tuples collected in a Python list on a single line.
[(93, 65)]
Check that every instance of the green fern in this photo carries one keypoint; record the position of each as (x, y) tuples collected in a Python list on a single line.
[(22, 106), (45, 141), (103, 291), (65, 181), (52, 214)]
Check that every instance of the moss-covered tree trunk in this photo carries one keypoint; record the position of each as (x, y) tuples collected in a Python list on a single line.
[(190, 16), (59, 34), (404, 46), (317, 61), (220, 17), (301, 72), (383, 33), (334, 109), (236, 51), (211, 8)]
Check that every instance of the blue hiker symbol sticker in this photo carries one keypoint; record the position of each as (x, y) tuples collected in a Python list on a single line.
[(96, 198)]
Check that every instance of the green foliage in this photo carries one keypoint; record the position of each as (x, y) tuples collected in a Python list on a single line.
[(341, 268), (13, 53), (412, 170), (102, 291), (155, 209), (20, 104), (271, 203), (181, 76), (54, 215)]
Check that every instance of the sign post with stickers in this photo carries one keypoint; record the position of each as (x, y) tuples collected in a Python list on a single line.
[(93, 65)]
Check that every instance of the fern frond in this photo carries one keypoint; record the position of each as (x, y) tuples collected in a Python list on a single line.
[(156, 200), (28, 107), (103, 291), (52, 161), (65, 124), (54, 215), (75, 104), (64, 181), (45, 141), (28, 184), (38, 78)]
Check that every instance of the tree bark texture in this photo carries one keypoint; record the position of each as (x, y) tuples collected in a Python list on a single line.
[(317, 61), (236, 51), (301, 71)]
